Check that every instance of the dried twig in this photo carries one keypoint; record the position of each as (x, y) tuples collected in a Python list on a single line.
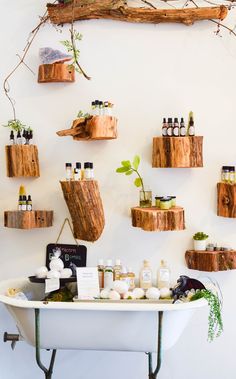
[(219, 24)]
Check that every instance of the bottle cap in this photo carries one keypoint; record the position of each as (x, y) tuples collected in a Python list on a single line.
[(172, 197), (146, 262), (100, 262), (29, 198), (109, 262), (93, 103), (169, 119), (96, 102), (12, 134), (118, 262), (91, 165), (231, 168), (164, 120), (20, 198), (176, 119), (158, 197), (24, 197), (68, 165), (182, 119), (86, 165), (78, 165)]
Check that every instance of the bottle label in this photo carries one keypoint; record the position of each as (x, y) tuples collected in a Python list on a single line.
[(164, 275), (169, 132), (176, 131), (183, 131), (146, 276), (23, 207), (108, 279), (191, 131), (164, 131), (29, 207)]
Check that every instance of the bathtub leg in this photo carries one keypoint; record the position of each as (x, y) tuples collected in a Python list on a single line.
[(48, 372), (153, 374)]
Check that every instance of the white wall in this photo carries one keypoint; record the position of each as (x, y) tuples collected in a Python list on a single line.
[(148, 71)]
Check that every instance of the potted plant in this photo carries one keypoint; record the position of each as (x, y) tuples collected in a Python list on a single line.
[(199, 241), (145, 199)]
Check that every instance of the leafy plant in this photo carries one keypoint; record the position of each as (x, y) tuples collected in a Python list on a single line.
[(128, 169), (17, 126), (200, 236), (215, 323), (81, 114)]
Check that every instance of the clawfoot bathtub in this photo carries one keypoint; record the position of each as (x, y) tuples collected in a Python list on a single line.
[(139, 326)]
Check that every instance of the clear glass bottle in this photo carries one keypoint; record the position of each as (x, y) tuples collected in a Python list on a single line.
[(87, 171), (117, 269), (101, 108), (101, 268), (108, 274), (232, 174), (145, 199), (145, 277), (69, 172), (77, 171), (124, 275), (163, 275), (131, 279)]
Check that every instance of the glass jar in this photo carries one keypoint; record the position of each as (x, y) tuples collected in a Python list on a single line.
[(173, 201), (231, 174), (165, 203), (157, 201), (225, 174), (145, 199)]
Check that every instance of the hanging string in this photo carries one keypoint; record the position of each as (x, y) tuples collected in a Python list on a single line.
[(62, 228)]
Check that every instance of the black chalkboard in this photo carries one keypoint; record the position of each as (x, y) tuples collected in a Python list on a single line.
[(72, 255)]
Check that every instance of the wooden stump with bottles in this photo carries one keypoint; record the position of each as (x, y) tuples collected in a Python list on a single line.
[(22, 161), (203, 260), (226, 200), (85, 206), (28, 219)]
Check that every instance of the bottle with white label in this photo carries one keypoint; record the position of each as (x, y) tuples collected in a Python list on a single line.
[(12, 138), (170, 128), (163, 275), (108, 274), (29, 203), (176, 127), (124, 276), (191, 131), (69, 173), (117, 269), (182, 130), (87, 171), (101, 273), (164, 128), (145, 277)]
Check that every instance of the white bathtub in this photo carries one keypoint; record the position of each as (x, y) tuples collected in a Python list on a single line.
[(125, 326)]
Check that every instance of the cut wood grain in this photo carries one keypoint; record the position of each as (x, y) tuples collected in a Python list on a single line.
[(179, 152), (211, 260), (92, 128), (119, 11), (28, 219), (155, 219), (56, 72), (22, 161), (85, 206), (226, 200)]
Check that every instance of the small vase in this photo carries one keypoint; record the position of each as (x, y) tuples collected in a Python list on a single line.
[(145, 199), (199, 244)]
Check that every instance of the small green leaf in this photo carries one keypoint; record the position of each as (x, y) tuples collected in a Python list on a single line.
[(122, 169), (136, 162), (138, 182), (126, 163), (130, 172)]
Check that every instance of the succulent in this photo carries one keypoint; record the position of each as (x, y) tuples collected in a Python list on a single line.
[(200, 236)]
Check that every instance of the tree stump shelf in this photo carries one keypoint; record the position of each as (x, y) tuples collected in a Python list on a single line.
[(120, 11), (28, 219), (56, 73), (22, 161), (154, 219), (203, 260), (226, 200), (92, 128), (85, 206), (177, 152)]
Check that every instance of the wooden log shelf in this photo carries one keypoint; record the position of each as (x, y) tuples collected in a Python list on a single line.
[(92, 128), (119, 10), (28, 219), (155, 219), (85, 206), (22, 161), (56, 73), (177, 152), (203, 260), (226, 200)]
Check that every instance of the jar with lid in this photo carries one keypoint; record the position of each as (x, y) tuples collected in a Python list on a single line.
[(165, 203), (145, 199), (231, 174), (173, 201), (225, 174), (157, 201)]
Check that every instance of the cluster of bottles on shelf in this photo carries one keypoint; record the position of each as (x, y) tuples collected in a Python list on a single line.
[(77, 173), (178, 129), (213, 247), (228, 174), (101, 108), (24, 138), (165, 202), (109, 273), (24, 202)]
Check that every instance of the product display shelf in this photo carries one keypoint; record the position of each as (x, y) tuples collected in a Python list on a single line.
[(203, 260), (155, 219), (56, 73), (120, 11), (85, 206), (22, 161), (28, 219), (177, 152), (92, 128), (226, 200)]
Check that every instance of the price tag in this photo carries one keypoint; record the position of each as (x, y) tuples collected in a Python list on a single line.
[(87, 282), (52, 285)]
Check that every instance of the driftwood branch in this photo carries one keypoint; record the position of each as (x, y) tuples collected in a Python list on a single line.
[(118, 10)]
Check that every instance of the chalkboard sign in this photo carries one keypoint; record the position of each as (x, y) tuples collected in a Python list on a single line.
[(72, 255)]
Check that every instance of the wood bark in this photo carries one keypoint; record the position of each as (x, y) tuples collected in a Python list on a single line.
[(92, 128), (211, 260), (155, 219), (56, 72), (177, 152), (28, 219), (226, 200), (22, 161), (118, 10), (85, 206)]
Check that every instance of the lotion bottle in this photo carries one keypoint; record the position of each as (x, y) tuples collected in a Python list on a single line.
[(108, 275), (163, 275), (146, 275)]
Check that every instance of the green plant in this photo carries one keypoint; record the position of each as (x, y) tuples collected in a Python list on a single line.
[(128, 169), (81, 114), (215, 323), (200, 236), (17, 126)]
